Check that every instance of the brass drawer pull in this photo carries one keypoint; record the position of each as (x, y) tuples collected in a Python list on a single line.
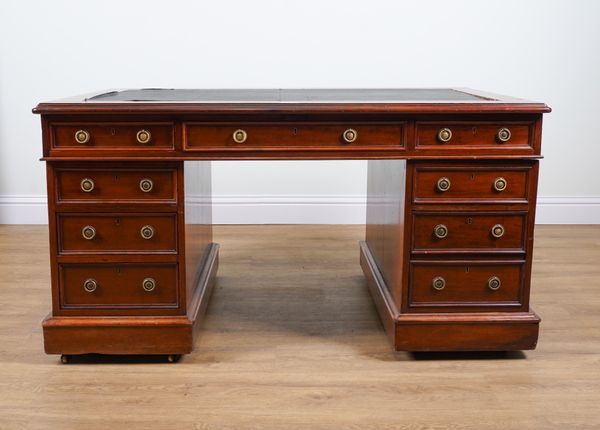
[(146, 185), (500, 184), (498, 231), (82, 136), (444, 135), (240, 136), (494, 283), (90, 285), (350, 135), (440, 231), (149, 284), (143, 136), (438, 283), (443, 184), (87, 185), (147, 232), (88, 232), (503, 135)]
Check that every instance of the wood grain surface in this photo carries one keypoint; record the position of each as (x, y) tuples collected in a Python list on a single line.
[(292, 341)]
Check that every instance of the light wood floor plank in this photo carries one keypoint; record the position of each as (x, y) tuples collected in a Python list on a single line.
[(291, 340)]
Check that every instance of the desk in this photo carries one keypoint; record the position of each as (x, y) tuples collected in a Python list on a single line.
[(447, 255)]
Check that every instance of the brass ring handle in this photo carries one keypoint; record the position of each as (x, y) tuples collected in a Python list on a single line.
[(143, 136), (500, 184), (350, 135), (498, 231), (82, 136), (444, 135), (88, 232), (148, 284), (240, 136), (90, 285), (494, 283), (146, 185), (440, 231), (147, 232), (503, 135), (87, 185), (438, 283), (443, 184)]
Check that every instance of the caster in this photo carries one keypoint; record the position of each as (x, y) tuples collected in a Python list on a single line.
[(173, 358), (64, 359)]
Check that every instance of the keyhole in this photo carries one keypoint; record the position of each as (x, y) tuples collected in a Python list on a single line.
[(472, 176), (469, 220), (117, 221), (474, 131), (113, 131), (118, 270), (467, 269), (294, 131)]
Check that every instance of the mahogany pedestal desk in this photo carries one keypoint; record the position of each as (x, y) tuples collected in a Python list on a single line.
[(452, 181)]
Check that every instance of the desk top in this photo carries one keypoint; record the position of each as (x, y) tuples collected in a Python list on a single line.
[(392, 100), (395, 95)]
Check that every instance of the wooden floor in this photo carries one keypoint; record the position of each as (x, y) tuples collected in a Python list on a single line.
[(276, 351)]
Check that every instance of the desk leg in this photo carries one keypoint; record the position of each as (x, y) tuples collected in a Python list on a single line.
[(385, 258), (137, 329)]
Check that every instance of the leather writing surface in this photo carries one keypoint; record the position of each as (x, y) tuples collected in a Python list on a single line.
[(288, 95)]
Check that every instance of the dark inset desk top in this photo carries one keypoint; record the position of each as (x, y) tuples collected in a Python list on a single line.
[(398, 95), (391, 100)]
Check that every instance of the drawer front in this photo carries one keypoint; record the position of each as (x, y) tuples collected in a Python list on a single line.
[(465, 284), (454, 135), (471, 184), (117, 233), (118, 185), (112, 286), (469, 232), (235, 137), (132, 136)]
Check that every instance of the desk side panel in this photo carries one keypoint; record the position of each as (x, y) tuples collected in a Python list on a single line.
[(386, 191), (198, 223)]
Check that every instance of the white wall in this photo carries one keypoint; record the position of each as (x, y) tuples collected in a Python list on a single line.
[(542, 50)]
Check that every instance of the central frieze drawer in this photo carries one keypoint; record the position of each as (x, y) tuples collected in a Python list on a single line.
[(338, 136), (465, 284), (112, 286), (122, 233), (115, 184), (469, 232)]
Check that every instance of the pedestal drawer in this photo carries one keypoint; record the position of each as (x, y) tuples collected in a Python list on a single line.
[(471, 183), (117, 233), (115, 185), (113, 286), (465, 232), (465, 284)]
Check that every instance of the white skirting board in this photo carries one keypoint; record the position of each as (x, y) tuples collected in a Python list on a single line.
[(262, 209)]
